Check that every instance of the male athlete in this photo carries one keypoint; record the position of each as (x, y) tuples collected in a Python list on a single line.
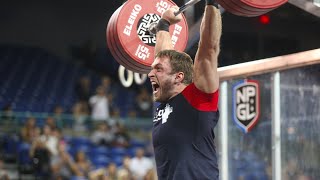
[(183, 124)]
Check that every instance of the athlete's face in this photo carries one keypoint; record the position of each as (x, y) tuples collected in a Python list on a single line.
[(162, 79)]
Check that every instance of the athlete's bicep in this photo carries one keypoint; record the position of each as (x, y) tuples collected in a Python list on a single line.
[(206, 77)]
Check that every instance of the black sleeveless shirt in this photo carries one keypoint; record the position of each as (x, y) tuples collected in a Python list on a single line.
[(183, 136)]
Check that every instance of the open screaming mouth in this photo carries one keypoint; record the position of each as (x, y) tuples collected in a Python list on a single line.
[(155, 87)]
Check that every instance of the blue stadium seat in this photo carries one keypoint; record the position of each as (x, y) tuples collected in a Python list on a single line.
[(100, 150), (137, 144), (131, 151), (80, 141), (100, 161), (256, 175), (78, 178), (23, 154), (36, 80), (82, 147), (257, 166), (11, 144), (117, 160), (249, 156), (118, 151)]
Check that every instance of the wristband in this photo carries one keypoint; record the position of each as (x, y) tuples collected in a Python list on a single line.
[(163, 25), (212, 3)]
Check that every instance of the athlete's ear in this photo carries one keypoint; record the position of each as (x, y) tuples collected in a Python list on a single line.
[(179, 77)]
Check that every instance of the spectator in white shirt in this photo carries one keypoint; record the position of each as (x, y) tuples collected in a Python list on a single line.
[(99, 105), (140, 165)]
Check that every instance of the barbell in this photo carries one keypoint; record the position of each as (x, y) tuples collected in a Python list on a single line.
[(131, 40)]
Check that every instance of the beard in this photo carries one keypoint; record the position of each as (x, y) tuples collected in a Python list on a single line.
[(164, 94)]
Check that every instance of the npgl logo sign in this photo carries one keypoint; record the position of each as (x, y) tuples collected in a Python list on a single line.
[(246, 104)]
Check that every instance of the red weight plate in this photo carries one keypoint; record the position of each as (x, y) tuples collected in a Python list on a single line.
[(237, 9), (250, 8), (132, 23), (249, 11), (245, 8), (108, 38), (126, 60), (268, 4), (134, 41), (233, 9), (129, 62), (111, 43), (135, 66), (124, 53)]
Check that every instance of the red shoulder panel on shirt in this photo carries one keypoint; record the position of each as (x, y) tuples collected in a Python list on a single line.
[(200, 100)]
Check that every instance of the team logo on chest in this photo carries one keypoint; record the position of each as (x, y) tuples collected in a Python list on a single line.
[(163, 114)]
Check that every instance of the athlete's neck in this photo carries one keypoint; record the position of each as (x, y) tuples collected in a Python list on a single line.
[(178, 88)]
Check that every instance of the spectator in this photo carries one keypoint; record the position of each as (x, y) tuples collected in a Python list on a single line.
[(62, 165), (50, 140), (99, 105), (51, 122), (132, 114), (151, 175), (108, 173), (140, 165), (121, 138), (58, 116), (7, 118), (124, 172), (303, 177), (80, 117), (115, 117), (7, 113), (41, 158), (83, 88), (107, 85), (57, 134), (111, 172), (292, 170), (102, 135), (82, 164), (28, 131), (144, 103), (3, 173)]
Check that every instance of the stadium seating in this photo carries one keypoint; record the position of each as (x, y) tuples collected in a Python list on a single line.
[(36, 81), (100, 161)]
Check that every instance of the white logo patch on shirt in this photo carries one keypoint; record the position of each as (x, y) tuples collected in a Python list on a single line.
[(163, 114)]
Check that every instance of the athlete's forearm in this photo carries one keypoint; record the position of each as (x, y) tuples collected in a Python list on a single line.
[(163, 41), (210, 29), (206, 75)]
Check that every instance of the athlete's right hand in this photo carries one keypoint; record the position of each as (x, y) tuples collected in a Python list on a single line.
[(170, 17)]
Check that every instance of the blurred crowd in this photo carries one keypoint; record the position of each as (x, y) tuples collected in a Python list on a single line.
[(95, 115), (54, 155), (103, 101)]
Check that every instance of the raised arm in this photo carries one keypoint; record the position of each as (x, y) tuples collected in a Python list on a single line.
[(163, 37), (206, 60), (163, 41)]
